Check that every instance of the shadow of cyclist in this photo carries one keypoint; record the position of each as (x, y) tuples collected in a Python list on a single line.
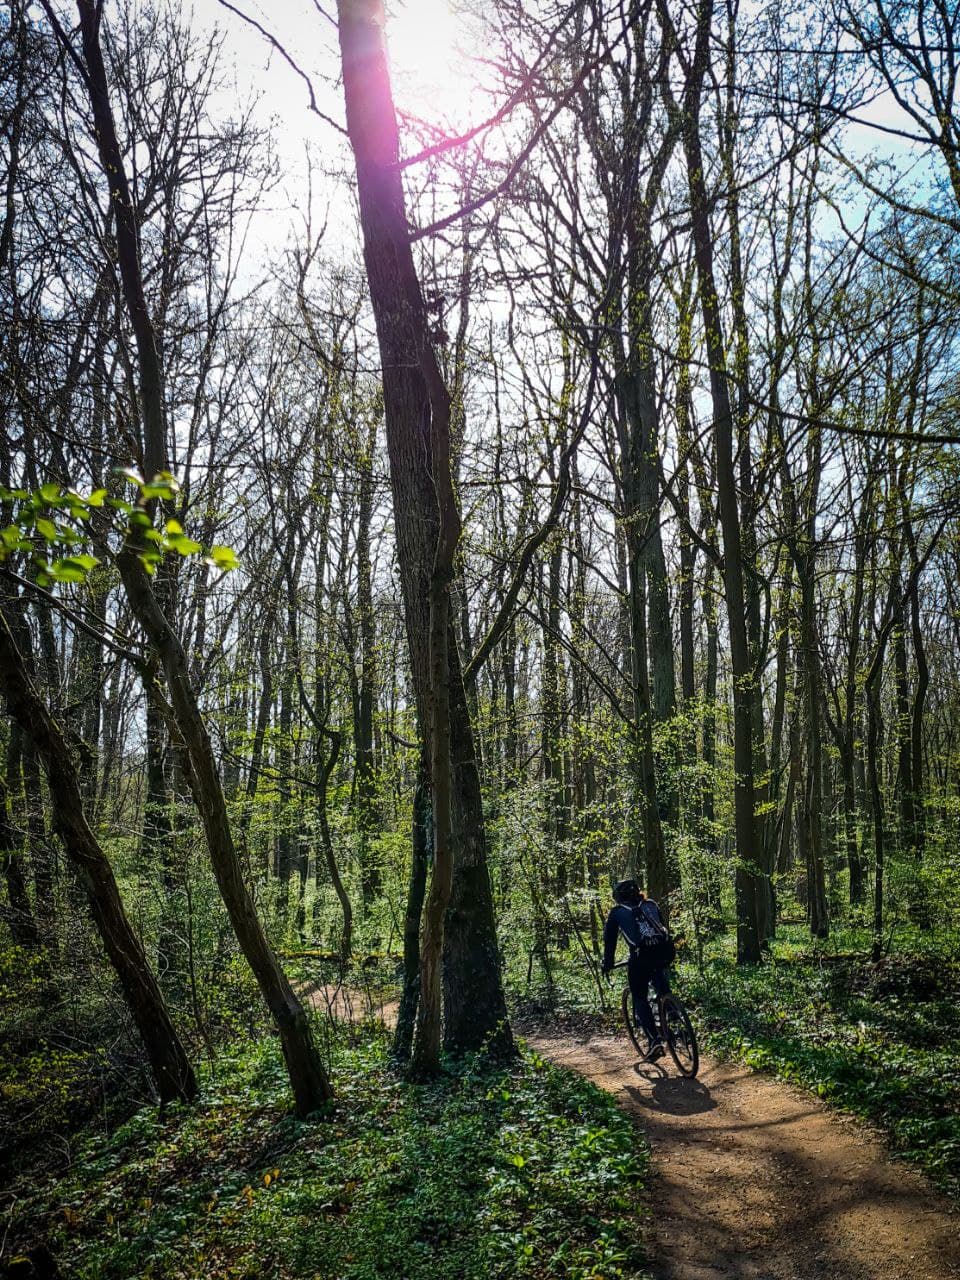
[(675, 1095)]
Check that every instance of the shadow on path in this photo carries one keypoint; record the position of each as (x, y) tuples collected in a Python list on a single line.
[(754, 1180)]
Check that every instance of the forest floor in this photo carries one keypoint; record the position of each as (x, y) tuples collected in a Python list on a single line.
[(753, 1179), (756, 1180)]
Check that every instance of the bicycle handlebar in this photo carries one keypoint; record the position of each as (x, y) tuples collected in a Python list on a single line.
[(621, 964)]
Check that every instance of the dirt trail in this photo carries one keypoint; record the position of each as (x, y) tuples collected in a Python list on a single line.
[(755, 1180)]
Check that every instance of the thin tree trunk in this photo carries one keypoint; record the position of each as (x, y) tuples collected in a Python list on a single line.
[(416, 891), (745, 691), (308, 1077), (324, 772), (19, 913), (168, 1060)]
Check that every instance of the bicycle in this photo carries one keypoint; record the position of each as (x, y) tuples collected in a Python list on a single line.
[(673, 1023)]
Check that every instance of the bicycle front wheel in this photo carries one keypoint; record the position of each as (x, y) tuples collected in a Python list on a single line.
[(680, 1036), (633, 1031)]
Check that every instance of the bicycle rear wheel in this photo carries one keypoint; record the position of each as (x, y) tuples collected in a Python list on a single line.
[(635, 1033), (680, 1036)]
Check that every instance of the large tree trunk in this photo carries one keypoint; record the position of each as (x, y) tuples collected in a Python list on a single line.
[(413, 397), (425, 1059)]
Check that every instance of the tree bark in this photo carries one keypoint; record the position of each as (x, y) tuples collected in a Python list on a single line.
[(414, 398), (416, 891)]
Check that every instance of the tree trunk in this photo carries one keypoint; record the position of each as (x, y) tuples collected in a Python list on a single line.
[(413, 397), (168, 1060), (745, 692), (366, 777), (874, 746), (308, 1077), (816, 880), (324, 772), (416, 891), (19, 913)]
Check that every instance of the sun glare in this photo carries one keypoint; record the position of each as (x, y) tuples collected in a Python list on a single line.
[(430, 67)]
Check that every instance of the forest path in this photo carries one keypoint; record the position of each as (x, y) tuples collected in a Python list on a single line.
[(752, 1179), (755, 1180)]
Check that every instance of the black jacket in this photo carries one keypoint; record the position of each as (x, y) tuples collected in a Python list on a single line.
[(629, 922)]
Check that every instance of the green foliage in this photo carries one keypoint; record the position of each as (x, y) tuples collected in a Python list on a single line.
[(48, 525), (44, 1079), (527, 1171), (881, 1041)]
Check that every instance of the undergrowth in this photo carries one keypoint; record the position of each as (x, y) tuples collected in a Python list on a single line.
[(881, 1041), (524, 1170)]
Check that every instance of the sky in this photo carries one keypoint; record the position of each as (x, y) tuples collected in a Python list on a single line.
[(433, 78)]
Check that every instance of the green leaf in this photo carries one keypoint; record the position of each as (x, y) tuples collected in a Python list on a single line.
[(157, 490), (149, 557), (222, 558), (67, 571), (46, 529), (50, 492), (132, 475), (174, 526), (183, 545), (96, 498), (163, 485), (85, 562)]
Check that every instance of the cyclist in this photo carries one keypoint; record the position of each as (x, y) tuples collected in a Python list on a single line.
[(637, 919)]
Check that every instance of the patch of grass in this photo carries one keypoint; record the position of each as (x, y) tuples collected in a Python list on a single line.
[(883, 1042), (525, 1171)]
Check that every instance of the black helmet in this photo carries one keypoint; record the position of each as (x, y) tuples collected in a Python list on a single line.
[(626, 892)]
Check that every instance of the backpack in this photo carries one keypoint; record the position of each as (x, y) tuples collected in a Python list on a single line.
[(656, 948)]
